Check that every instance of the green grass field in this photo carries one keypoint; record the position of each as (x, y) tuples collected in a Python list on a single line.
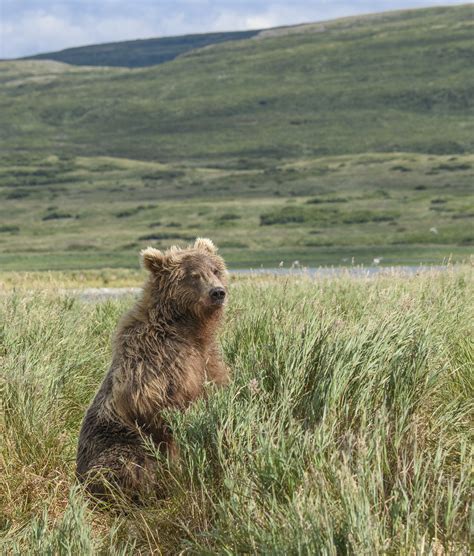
[(349, 140), (347, 428), (98, 212)]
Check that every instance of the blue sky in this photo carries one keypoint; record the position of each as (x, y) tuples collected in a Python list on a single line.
[(33, 26)]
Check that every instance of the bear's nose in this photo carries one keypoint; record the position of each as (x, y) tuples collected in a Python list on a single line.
[(217, 294)]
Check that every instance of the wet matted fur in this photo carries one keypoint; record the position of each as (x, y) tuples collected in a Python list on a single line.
[(164, 353)]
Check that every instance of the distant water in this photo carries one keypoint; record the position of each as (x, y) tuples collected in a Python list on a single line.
[(338, 270), (101, 294)]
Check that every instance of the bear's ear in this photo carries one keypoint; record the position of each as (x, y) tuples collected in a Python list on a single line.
[(152, 259), (205, 245)]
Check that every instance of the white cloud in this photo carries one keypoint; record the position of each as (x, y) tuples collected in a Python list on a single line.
[(42, 32), (278, 16), (36, 30)]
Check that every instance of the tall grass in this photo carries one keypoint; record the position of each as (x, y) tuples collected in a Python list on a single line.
[(346, 429)]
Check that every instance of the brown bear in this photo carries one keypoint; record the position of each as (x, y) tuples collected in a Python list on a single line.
[(164, 353)]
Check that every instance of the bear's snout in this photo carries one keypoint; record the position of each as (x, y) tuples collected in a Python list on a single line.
[(217, 295)]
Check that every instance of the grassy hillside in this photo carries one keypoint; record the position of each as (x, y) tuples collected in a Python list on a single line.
[(346, 429), (139, 53), (400, 83), (324, 143)]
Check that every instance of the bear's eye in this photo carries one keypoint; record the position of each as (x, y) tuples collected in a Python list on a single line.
[(215, 271), (195, 275)]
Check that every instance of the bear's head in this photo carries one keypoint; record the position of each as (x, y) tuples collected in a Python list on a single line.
[(191, 281)]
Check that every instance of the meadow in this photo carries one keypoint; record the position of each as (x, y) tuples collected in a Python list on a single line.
[(329, 144), (95, 212), (347, 428)]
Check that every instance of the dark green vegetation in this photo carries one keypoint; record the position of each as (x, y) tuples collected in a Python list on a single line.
[(139, 53), (346, 429), (319, 143)]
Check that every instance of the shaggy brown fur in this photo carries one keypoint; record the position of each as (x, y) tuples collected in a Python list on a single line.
[(164, 352)]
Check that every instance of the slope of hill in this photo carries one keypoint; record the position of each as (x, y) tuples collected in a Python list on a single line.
[(139, 53), (350, 141), (402, 83)]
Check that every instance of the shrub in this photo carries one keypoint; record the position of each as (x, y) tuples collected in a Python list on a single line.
[(286, 215), (362, 216), (319, 200), (57, 216), (229, 216), (18, 194), (400, 168), (9, 229), (453, 167), (163, 235), (133, 211)]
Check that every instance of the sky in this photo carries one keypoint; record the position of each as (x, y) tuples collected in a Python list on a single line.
[(32, 26)]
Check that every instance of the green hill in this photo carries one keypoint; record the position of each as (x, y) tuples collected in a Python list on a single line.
[(401, 82), (139, 53), (351, 139)]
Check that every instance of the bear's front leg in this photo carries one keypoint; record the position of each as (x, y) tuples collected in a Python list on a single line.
[(216, 370)]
